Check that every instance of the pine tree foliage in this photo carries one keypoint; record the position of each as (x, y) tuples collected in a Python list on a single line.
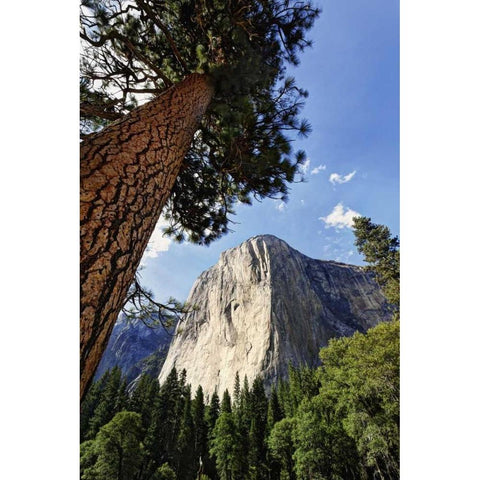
[(382, 252), (104, 403), (165, 472), (362, 375), (185, 453), (118, 449), (200, 426), (225, 445), (226, 405), (132, 51), (281, 448), (340, 420)]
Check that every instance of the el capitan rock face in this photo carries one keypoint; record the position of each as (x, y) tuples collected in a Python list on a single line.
[(264, 305)]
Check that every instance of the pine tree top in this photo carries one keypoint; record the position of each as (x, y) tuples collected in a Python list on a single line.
[(133, 50)]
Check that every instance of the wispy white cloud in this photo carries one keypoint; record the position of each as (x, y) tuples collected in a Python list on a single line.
[(318, 169), (157, 243), (303, 169), (340, 217), (336, 178), (280, 205)]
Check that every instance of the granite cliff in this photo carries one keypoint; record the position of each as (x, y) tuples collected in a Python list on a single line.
[(265, 305)]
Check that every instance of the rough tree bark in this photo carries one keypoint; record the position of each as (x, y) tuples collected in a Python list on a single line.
[(127, 172)]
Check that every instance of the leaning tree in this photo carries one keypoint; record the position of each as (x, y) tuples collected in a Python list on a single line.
[(186, 109)]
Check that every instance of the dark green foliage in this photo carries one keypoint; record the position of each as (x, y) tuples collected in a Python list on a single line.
[(281, 448), (201, 427), (243, 148), (236, 391), (382, 252), (186, 459), (88, 459), (165, 472), (257, 447), (361, 377), (117, 450), (338, 421), (170, 410), (274, 415), (213, 411), (242, 416), (104, 400), (322, 447), (143, 398), (226, 405), (225, 447), (275, 412), (212, 414), (90, 403)]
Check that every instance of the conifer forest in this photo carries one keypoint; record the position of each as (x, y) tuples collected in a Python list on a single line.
[(337, 421)]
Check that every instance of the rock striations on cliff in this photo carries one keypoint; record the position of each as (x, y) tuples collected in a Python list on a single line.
[(265, 305)]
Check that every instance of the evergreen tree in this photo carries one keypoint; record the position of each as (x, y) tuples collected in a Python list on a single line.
[(182, 380), (186, 465), (112, 400), (281, 449), (213, 411), (245, 403), (283, 390), (322, 447), (360, 375), (118, 448), (225, 447), (171, 405), (226, 405), (88, 459), (274, 415), (382, 252), (143, 398), (236, 391), (257, 448), (216, 71), (201, 428), (122, 400), (212, 414), (151, 405), (274, 412), (295, 387), (155, 452), (90, 403), (165, 472), (242, 424)]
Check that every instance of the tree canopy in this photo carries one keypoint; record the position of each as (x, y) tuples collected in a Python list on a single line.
[(382, 252), (340, 420), (133, 51)]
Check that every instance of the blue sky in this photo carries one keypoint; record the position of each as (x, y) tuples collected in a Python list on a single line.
[(352, 75)]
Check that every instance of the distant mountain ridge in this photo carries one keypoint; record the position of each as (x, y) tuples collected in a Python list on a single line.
[(135, 348), (265, 305)]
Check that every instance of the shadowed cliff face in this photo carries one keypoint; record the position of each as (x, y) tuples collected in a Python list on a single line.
[(264, 305), (135, 348)]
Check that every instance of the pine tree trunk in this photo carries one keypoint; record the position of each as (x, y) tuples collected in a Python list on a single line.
[(127, 172)]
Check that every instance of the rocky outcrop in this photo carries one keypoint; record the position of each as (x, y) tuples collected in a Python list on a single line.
[(265, 305), (135, 348)]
